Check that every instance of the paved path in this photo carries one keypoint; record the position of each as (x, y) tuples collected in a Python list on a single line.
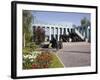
[(75, 54)]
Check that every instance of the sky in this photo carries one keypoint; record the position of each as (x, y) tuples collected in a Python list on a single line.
[(51, 17)]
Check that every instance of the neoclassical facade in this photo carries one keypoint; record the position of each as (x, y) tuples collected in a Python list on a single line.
[(56, 30)]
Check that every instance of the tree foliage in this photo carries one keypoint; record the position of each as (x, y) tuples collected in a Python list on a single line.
[(39, 35), (27, 21), (85, 22)]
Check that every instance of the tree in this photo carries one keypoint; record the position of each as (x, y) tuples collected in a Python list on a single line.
[(85, 22), (27, 21), (39, 35)]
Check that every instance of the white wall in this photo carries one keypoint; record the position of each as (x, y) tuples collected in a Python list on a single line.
[(5, 40)]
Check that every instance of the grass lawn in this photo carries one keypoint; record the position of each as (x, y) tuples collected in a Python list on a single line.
[(56, 62)]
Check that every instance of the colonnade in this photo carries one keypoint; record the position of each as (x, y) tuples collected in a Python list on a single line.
[(53, 31), (57, 30)]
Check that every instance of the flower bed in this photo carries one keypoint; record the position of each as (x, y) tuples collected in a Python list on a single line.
[(37, 59), (43, 60), (40, 59), (29, 59)]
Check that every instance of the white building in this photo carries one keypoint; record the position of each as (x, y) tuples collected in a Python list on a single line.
[(56, 30)]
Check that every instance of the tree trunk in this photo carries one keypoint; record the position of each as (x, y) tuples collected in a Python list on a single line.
[(24, 40)]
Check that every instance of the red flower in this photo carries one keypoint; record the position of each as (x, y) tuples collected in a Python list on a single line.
[(34, 66), (45, 66)]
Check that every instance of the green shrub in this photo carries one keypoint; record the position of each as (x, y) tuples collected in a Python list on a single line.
[(32, 46), (27, 64), (29, 48)]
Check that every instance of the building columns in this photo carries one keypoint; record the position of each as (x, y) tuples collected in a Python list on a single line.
[(58, 33), (54, 32), (66, 31), (49, 33), (62, 31)]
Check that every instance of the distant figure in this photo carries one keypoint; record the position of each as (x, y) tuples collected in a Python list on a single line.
[(53, 42), (60, 44), (57, 46)]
